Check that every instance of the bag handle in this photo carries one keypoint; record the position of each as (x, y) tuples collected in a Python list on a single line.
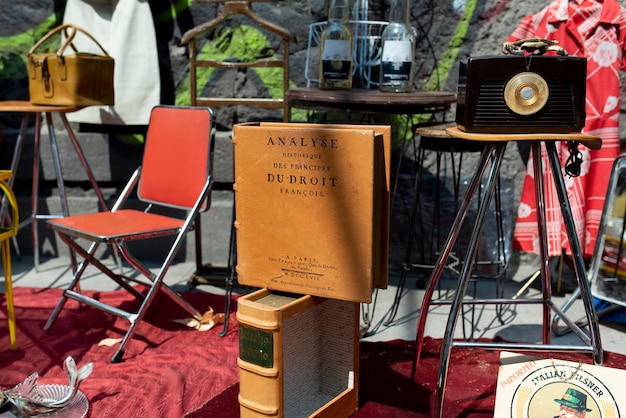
[(70, 31)]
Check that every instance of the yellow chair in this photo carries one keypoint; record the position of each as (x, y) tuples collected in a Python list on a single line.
[(6, 233)]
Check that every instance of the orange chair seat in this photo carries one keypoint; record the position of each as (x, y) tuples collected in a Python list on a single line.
[(125, 223)]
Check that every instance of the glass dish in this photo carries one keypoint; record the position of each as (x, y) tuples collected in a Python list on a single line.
[(76, 409)]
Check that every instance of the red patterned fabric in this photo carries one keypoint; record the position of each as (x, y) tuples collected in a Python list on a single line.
[(386, 389), (168, 369), (595, 30)]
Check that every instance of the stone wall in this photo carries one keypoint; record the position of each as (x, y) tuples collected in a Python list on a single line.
[(448, 31)]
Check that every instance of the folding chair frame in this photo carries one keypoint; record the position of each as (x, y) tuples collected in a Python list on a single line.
[(70, 235)]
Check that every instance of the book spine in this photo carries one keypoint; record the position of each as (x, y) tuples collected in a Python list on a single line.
[(259, 390), (237, 220), (260, 360)]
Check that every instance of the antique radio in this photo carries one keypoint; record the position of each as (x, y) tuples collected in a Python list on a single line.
[(521, 94)]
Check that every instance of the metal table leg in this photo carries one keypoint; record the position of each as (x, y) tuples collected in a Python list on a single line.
[(57, 169)]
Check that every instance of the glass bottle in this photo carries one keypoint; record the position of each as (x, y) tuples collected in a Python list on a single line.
[(398, 50), (336, 47)]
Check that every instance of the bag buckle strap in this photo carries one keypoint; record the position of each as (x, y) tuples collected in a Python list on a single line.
[(48, 91)]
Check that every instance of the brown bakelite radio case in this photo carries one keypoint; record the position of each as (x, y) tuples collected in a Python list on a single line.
[(521, 94)]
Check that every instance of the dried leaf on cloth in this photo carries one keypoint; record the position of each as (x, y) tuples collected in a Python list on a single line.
[(109, 342), (209, 320)]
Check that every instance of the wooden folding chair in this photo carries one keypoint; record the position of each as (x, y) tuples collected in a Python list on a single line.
[(175, 173)]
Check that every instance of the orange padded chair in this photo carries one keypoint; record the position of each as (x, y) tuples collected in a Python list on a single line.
[(6, 233), (175, 173)]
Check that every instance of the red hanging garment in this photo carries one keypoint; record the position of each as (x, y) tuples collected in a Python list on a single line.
[(595, 30)]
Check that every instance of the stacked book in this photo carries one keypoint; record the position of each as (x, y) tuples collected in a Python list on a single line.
[(312, 224)]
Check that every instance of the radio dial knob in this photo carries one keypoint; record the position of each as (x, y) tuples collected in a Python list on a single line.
[(526, 93)]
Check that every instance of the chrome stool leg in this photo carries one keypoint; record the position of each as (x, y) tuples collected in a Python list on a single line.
[(579, 264), (496, 157), (447, 249)]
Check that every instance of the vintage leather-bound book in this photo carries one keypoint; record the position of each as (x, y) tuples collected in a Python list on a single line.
[(298, 355), (312, 208)]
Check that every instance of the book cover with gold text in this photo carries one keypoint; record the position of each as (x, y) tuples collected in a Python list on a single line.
[(311, 209)]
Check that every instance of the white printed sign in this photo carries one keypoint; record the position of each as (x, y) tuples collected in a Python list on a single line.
[(531, 387)]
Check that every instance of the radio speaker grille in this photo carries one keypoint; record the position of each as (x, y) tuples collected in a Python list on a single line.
[(491, 110)]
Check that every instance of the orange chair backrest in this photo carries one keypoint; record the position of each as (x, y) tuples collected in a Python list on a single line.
[(177, 155)]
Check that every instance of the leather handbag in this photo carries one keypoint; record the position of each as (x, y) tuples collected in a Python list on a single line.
[(73, 79)]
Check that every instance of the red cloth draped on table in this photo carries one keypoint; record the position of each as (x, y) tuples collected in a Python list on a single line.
[(595, 30)]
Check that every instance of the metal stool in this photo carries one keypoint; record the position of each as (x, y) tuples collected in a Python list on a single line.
[(27, 108), (495, 145), (435, 139)]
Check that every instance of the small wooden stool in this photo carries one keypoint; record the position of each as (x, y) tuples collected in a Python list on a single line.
[(6, 233), (27, 108), (495, 145)]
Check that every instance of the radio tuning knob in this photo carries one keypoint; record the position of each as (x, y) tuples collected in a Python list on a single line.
[(526, 93)]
